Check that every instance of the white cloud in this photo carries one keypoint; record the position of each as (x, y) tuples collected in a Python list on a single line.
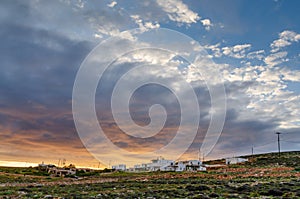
[(238, 48), (286, 38), (144, 26), (207, 24), (215, 49), (276, 58), (269, 96), (112, 4), (99, 36), (289, 75), (178, 11), (266, 95), (237, 51), (80, 4), (150, 25), (149, 57), (256, 55)]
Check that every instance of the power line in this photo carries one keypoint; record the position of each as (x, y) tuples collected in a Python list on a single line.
[(297, 142), (261, 145)]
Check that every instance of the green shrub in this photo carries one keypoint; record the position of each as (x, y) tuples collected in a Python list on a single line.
[(254, 194)]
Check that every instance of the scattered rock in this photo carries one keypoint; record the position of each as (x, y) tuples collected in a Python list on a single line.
[(201, 196), (244, 188), (23, 190), (213, 195), (197, 188), (191, 188), (285, 189), (274, 192), (203, 188)]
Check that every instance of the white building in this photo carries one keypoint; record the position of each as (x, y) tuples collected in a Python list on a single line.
[(140, 167), (189, 165), (62, 171), (119, 167), (160, 164), (235, 160)]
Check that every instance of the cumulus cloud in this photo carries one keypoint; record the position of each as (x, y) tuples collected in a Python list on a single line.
[(112, 4), (256, 55), (144, 26), (286, 38), (178, 11), (267, 90), (215, 49), (237, 51), (288, 75), (276, 58), (207, 24)]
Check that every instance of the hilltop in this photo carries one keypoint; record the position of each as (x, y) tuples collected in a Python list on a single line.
[(264, 176), (289, 159)]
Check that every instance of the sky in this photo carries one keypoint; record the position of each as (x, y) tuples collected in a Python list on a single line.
[(125, 81)]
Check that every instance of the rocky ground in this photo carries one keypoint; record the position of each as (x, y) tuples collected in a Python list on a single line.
[(251, 180)]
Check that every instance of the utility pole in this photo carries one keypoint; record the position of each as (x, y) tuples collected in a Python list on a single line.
[(199, 156), (278, 133)]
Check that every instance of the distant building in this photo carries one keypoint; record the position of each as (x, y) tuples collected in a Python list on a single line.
[(119, 167), (140, 167), (45, 167), (62, 172), (56, 171), (161, 164), (189, 165), (235, 160)]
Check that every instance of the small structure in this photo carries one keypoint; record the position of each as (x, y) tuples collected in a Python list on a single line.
[(45, 167), (57, 171), (62, 172), (189, 165), (159, 164), (140, 167), (119, 167), (235, 160)]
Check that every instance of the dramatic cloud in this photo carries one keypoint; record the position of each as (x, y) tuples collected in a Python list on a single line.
[(43, 44)]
